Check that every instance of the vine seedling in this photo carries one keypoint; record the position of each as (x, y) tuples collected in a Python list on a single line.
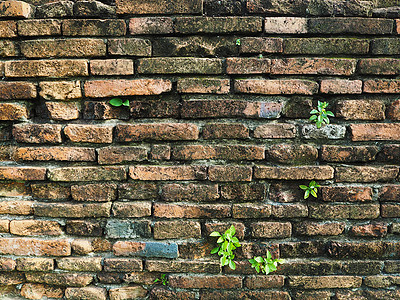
[(238, 42), (163, 279), (119, 102), (312, 189), (320, 115), (227, 243), (265, 264)]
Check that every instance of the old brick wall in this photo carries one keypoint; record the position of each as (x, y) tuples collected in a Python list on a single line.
[(97, 201)]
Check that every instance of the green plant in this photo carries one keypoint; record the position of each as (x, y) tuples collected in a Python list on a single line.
[(320, 115), (227, 243), (238, 42), (265, 264), (312, 189), (260, 56), (163, 279), (119, 102)]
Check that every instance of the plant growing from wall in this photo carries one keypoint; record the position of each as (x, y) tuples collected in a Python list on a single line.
[(320, 115), (163, 279), (227, 243), (119, 102), (312, 189), (266, 264)]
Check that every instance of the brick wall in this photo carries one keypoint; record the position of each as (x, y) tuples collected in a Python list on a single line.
[(98, 201)]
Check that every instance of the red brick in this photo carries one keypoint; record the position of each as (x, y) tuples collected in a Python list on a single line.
[(295, 210), (89, 133), (38, 291), (8, 29), (271, 230), (60, 279), (176, 230), (55, 153), (115, 155), (87, 264), (111, 67), (370, 230), (389, 193), (125, 293), (344, 211), (276, 86), (230, 173), (191, 211), (15, 9), (138, 190), (17, 90), (264, 282), (108, 27), (203, 85), (111, 88), (225, 131), (160, 152), (294, 173), (190, 192), (251, 211), (366, 174), (180, 65), (129, 46), (322, 282), (379, 66), (261, 45), (94, 192), (382, 86), (348, 153), (151, 25), (346, 194), (375, 132), (47, 68), (102, 110), (205, 282), (168, 172), (35, 227), (226, 152), (87, 173), (14, 189), (62, 111), (22, 173), (155, 108), (244, 192), (39, 27), (37, 133), (157, 131), (393, 111), (72, 210), (135, 209), (86, 293), (60, 90), (34, 247), (361, 110), (222, 227), (313, 66), (50, 191), (275, 131), (309, 228), (292, 154), (13, 112), (341, 86), (248, 65)]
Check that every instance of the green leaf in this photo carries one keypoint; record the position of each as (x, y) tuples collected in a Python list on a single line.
[(223, 260), (312, 183), (215, 233), (259, 259), (319, 124), (116, 102), (252, 261), (269, 256), (232, 230), (220, 240), (266, 270), (238, 42), (330, 114), (157, 280), (307, 194), (257, 268), (314, 111), (303, 187), (232, 265), (314, 193), (215, 250), (314, 117), (125, 103)]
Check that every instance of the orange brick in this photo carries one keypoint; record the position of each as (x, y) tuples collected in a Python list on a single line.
[(168, 172), (35, 227), (15, 9), (13, 112), (111, 67), (375, 132), (204, 85), (55, 153), (276, 86), (89, 133), (191, 211), (8, 29), (341, 86), (17, 90), (22, 173), (34, 247), (37, 133)]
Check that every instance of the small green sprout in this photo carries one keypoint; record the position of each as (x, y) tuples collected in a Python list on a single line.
[(320, 115), (312, 189), (238, 42), (227, 243), (260, 56), (265, 264), (119, 102), (163, 279)]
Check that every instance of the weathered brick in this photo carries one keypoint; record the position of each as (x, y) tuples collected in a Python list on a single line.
[(261, 45), (325, 46), (382, 86), (295, 210), (392, 266), (60, 90), (149, 249), (244, 192), (175, 192), (87, 173), (346, 193), (155, 108), (8, 48), (63, 48), (13, 112), (138, 190), (129, 46), (361, 110), (393, 111), (157, 7), (94, 9), (309, 228), (5, 228), (331, 132), (121, 264), (59, 111), (240, 294), (343, 25), (55, 9), (285, 25), (341, 86), (102, 110), (11, 279), (343, 211), (375, 132), (60, 279), (264, 282), (84, 228), (191, 211), (176, 230), (313, 66), (225, 131), (231, 108), (251, 211), (230, 173), (14, 189), (389, 193), (87, 264), (114, 155), (309, 249), (167, 172), (182, 266), (222, 227), (69, 210), (82, 247), (15, 9), (111, 88), (38, 291), (224, 25), (226, 152), (321, 282), (50, 191), (248, 65), (334, 153), (94, 192), (34, 247), (125, 293), (309, 295), (89, 293), (368, 294), (160, 152), (275, 131), (37, 133), (276, 86), (271, 230), (23, 207), (135, 209), (35, 227), (22, 173), (385, 46), (370, 230), (55, 153), (46, 68), (94, 27), (180, 65), (8, 29), (89, 133), (207, 282), (39, 27), (35, 264), (390, 210), (294, 173), (111, 67), (151, 25), (17, 90), (379, 66), (203, 85), (292, 154)]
